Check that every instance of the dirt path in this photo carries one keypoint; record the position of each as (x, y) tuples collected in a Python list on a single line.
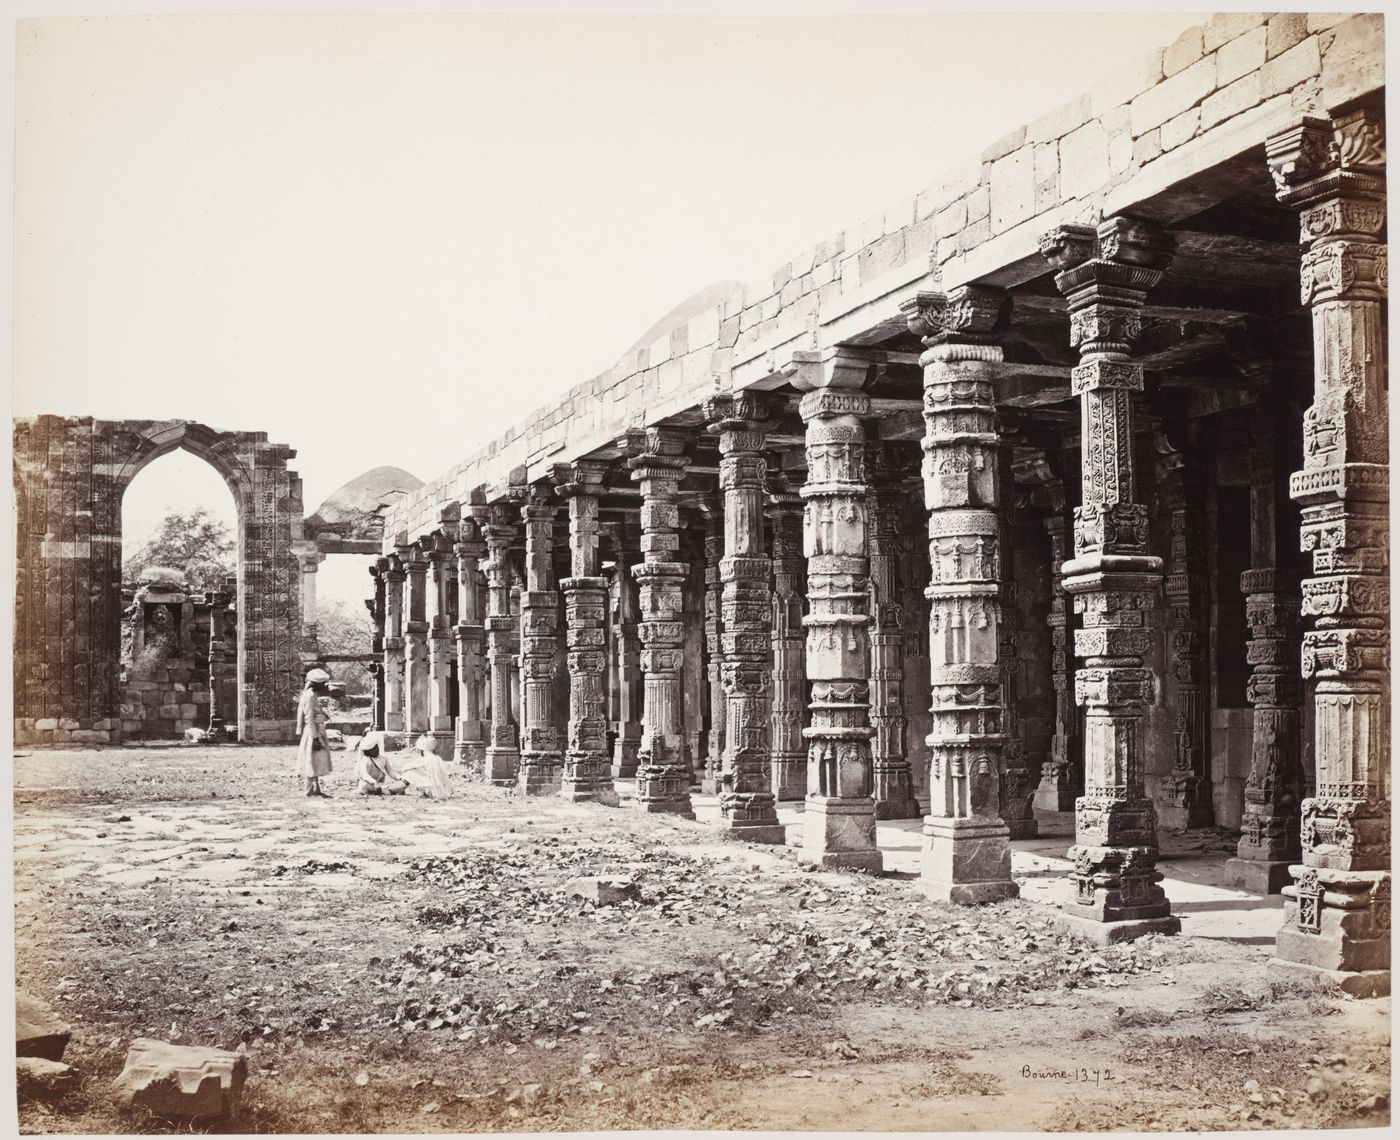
[(409, 965)]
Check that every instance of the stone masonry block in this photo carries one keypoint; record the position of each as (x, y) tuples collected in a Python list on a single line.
[(1059, 122), (946, 190), (180, 1081), (1284, 31), (950, 220), (1185, 50), (39, 1032), (1297, 65), (1176, 131), (1173, 96), (1147, 147), (1240, 56), (1083, 161), (900, 215), (1047, 176), (1321, 21), (1120, 152), (1012, 189), (919, 239), (881, 257), (1011, 141), (1225, 26), (979, 203), (1125, 84), (1229, 101), (1354, 63)]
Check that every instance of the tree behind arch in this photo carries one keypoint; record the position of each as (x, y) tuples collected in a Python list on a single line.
[(197, 544)]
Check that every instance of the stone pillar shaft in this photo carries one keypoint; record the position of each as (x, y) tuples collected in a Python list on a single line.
[(440, 647), (967, 856), (587, 773), (628, 665), (892, 780), (1338, 915), (502, 749), (713, 510), (1115, 583), (541, 751), (838, 820), (789, 651), (470, 746), (1062, 782), (377, 618), (394, 663), (1188, 785), (747, 806), (663, 778), (416, 682)]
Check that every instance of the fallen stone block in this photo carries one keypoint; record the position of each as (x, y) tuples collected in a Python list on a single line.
[(601, 891), (39, 1032), (181, 1082), (38, 1078)]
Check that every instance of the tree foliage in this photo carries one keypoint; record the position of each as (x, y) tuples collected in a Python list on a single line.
[(197, 544), (345, 628)]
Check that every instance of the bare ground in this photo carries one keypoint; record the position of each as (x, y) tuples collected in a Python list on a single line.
[(404, 965)]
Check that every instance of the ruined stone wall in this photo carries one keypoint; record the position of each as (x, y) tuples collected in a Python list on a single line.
[(70, 475)]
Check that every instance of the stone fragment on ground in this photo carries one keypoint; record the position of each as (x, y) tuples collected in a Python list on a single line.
[(39, 1032), (38, 1078), (181, 1082), (601, 891)]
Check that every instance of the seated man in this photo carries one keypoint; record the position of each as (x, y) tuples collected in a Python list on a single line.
[(372, 773), (425, 770)]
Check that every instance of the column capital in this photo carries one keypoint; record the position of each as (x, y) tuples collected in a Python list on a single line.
[(581, 477), (747, 410), (1328, 158), (655, 446), (1115, 263), (840, 367), (969, 314)]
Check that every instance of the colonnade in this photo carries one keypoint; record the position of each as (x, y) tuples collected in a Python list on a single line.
[(802, 686)]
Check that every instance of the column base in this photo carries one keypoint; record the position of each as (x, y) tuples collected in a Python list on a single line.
[(502, 766), (444, 743), (1354, 983), (753, 832), (537, 782), (1053, 796), (789, 777), (471, 754), (709, 785), (967, 861), (1023, 828), (625, 758), (898, 809), (608, 797), (1336, 921), (1258, 876), (840, 833), (681, 808), (663, 789), (1121, 930)]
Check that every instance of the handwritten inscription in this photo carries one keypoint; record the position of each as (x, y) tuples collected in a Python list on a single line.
[(1066, 1074)]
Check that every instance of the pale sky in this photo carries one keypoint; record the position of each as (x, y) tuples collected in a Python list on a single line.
[(383, 239)]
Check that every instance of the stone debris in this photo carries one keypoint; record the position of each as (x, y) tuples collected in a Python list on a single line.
[(39, 1032), (181, 1082), (37, 1078), (601, 891)]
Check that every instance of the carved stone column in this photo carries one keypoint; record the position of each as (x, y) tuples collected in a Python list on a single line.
[(471, 639), (1115, 583), (1062, 782), (309, 559), (417, 686), (502, 749), (217, 728), (1338, 916), (377, 616), (712, 508), (747, 807), (628, 663), (587, 772), (838, 820), (394, 665), (663, 776), (1182, 489), (440, 648), (968, 854), (1017, 779), (892, 781), (789, 664), (541, 746)]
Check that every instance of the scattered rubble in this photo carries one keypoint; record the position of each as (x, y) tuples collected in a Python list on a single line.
[(181, 1082)]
